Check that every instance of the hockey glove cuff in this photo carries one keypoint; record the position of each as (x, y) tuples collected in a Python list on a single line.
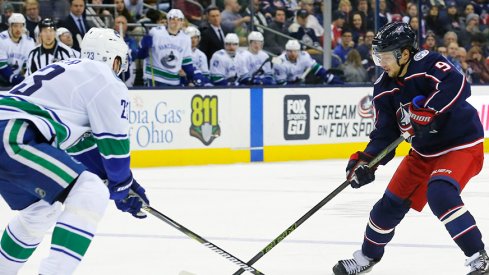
[(357, 171)]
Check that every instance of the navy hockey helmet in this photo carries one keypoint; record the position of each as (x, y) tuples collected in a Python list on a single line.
[(47, 23), (395, 37)]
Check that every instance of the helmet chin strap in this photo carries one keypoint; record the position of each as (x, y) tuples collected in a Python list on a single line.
[(398, 58)]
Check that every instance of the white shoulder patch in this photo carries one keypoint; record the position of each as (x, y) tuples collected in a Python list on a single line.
[(420, 55)]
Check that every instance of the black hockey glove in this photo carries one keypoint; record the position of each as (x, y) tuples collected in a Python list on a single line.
[(357, 171)]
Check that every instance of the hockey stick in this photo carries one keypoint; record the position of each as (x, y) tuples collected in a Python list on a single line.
[(244, 266), (269, 59), (306, 216)]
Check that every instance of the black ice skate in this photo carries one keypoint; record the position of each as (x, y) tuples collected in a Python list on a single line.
[(478, 263), (360, 264)]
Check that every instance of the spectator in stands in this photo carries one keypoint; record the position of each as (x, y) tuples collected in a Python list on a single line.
[(452, 50), (469, 8), (430, 41), (357, 26), (480, 68), (312, 20), (453, 20), (345, 46), (353, 69), (32, 17), (449, 37), (76, 22), (135, 8), (223, 65), (414, 23), (275, 43), (104, 15), (366, 46), (306, 35), (121, 9), (368, 15), (129, 76), (471, 29), (337, 23), (212, 33), (289, 6), (384, 13), (412, 11), (399, 6), (434, 22), (345, 7), (259, 18), (442, 50), (64, 35), (233, 21), (7, 10), (466, 69), (192, 10)]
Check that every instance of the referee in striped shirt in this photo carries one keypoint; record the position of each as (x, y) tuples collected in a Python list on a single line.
[(50, 50)]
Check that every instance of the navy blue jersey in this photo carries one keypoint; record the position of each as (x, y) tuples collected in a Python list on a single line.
[(446, 89)]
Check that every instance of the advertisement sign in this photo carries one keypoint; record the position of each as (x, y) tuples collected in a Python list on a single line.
[(184, 119), (317, 115)]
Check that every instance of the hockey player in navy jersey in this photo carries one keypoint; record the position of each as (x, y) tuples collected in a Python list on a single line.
[(419, 92), (75, 105)]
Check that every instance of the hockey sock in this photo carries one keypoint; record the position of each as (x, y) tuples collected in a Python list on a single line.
[(75, 227), (24, 233), (384, 217), (447, 205)]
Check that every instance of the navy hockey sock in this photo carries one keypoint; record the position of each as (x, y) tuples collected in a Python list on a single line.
[(384, 217), (447, 205)]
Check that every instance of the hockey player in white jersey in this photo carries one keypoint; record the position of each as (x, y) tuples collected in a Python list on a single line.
[(166, 50), (78, 105), (254, 66), (15, 46), (223, 67), (295, 65), (199, 59)]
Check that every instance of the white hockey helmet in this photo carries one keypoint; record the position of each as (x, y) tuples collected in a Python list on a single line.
[(16, 18), (255, 36), (175, 13), (61, 31), (231, 38), (105, 45), (192, 31), (293, 45)]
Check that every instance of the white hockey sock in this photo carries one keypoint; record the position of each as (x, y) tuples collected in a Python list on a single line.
[(23, 234), (75, 228)]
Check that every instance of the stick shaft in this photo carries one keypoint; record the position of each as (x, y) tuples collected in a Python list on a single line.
[(206, 243), (318, 206)]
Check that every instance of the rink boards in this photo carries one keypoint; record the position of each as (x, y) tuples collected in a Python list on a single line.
[(215, 126)]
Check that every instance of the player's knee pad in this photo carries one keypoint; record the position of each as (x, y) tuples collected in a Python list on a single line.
[(442, 196), (36, 219), (387, 213), (88, 198)]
